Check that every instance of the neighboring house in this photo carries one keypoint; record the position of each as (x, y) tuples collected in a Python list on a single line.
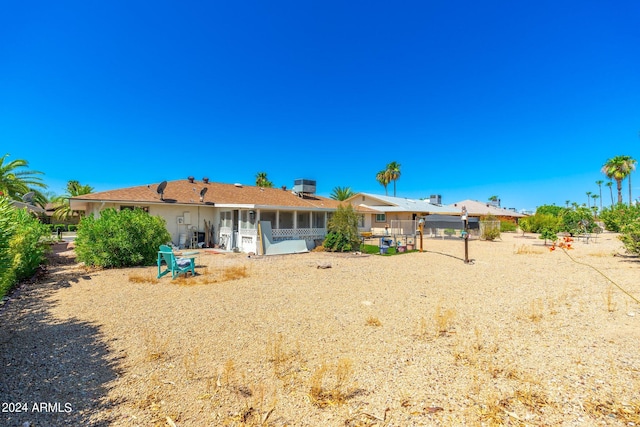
[(379, 211), (233, 209), (479, 209)]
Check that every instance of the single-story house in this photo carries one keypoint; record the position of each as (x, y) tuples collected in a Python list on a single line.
[(379, 212), (476, 208), (190, 206)]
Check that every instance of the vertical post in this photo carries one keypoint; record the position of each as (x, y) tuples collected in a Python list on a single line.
[(465, 234), (421, 228)]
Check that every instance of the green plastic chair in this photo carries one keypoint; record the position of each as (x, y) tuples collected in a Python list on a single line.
[(175, 265)]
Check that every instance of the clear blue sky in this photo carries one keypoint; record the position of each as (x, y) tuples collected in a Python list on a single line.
[(521, 99)]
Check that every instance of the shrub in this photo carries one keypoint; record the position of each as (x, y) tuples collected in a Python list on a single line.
[(489, 227), (538, 222), (548, 234), (22, 245), (578, 220), (631, 237), (342, 233), (59, 227), (72, 227), (507, 226), (617, 217), (120, 238)]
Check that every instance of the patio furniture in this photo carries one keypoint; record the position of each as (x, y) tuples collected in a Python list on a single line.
[(175, 265)]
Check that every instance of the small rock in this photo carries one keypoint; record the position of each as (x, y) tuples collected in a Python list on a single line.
[(631, 314), (324, 265)]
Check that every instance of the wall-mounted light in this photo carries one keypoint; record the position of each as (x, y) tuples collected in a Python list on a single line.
[(252, 215)]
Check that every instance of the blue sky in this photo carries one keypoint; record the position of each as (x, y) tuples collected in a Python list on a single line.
[(524, 100)]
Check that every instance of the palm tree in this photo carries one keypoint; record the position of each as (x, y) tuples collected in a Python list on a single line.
[(588, 198), (618, 168), (566, 202), (599, 184), (16, 183), (61, 203), (341, 193), (383, 178), (262, 180), (393, 171), (632, 166), (595, 197), (610, 185)]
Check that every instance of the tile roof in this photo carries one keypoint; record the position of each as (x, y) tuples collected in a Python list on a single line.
[(475, 207), (185, 192)]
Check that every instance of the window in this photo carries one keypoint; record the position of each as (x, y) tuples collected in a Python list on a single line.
[(381, 217), (247, 220), (144, 208), (226, 219), (286, 219), (303, 220), (361, 221), (318, 220), (269, 216)]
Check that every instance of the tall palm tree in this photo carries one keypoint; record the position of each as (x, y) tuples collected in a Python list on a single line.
[(341, 193), (599, 184), (383, 178), (610, 185), (262, 180), (618, 168), (595, 197), (566, 202), (393, 171), (16, 183), (632, 166), (61, 203), (588, 198)]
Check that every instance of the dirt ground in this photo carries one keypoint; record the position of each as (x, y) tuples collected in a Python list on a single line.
[(523, 335)]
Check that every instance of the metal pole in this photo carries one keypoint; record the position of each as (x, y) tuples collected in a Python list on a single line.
[(465, 232)]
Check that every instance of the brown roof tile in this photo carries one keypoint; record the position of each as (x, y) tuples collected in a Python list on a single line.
[(185, 192)]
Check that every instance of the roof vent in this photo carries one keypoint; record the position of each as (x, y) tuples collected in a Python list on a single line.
[(435, 199), (284, 188), (237, 184), (205, 179), (191, 179)]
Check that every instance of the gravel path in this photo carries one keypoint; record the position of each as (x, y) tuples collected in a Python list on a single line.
[(523, 336)]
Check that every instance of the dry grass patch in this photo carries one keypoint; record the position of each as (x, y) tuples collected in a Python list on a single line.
[(143, 278), (627, 412), (528, 250), (331, 384), (373, 321), (444, 321), (287, 362), (208, 277), (155, 348)]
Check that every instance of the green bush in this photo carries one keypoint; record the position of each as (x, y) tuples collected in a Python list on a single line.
[(342, 229), (538, 222), (507, 226), (23, 245), (578, 220), (59, 227), (72, 227), (120, 238), (548, 235), (490, 226), (631, 237), (617, 217)]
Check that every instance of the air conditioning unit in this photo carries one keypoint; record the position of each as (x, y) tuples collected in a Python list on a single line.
[(435, 199), (304, 186)]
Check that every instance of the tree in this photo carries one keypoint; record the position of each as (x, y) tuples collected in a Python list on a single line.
[(16, 183), (61, 203), (341, 193), (588, 199), (262, 180), (599, 184), (383, 178), (595, 197), (342, 230), (393, 172), (493, 198), (610, 185), (618, 168)]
